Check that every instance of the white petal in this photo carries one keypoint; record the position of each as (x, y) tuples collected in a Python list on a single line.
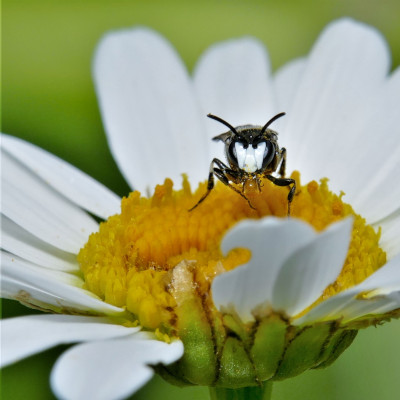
[(233, 81), (68, 180), (308, 271), (47, 289), (390, 236), (286, 82), (345, 305), (111, 369), (373, 193), (271, 242), (376, 305), (32, 334), (329, 309), (36, 207), (346, 68), (386, 276), (18, 241), (149, 110)]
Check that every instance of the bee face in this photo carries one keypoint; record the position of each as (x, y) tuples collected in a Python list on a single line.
[(251, 150)]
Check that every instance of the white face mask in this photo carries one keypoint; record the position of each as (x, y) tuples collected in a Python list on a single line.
[(250, 159)]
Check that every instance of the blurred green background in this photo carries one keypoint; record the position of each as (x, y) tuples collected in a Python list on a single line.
[(48, 99)]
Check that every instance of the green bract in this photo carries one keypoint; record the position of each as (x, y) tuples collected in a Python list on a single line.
[(222, 351)]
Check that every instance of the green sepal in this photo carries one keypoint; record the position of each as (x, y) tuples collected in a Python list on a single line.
[(268, 346), (169, 374), (236, 369), (338, 344), (304, 350), (199, 361), (232, 323), (198, 364)]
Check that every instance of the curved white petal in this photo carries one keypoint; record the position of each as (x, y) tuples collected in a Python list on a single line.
[(271, 241), (232, 80), (40, 210), (386, 276), (390, 235), (286, 82), (47, 289), (309, 270), (373, 193), (346, 68), (380, 291), (68, 180), (112, 369), (380, 304), (32, 334), (18, 241), (148, 106)]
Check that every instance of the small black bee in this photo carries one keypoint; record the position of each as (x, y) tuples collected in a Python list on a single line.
[(252, 152)]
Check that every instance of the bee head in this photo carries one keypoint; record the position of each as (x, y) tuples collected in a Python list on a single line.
[(248, 147)]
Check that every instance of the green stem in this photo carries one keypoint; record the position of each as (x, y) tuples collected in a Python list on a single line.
[(262, 392)]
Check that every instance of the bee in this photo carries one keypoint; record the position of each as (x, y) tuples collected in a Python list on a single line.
[(252, 152)]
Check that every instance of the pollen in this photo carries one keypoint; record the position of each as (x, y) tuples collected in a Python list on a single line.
[(130, 262)]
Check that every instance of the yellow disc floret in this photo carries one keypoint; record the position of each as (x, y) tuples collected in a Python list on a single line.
[(130, 261)]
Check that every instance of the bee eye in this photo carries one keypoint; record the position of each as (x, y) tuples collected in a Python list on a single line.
[(236, 151), (231, 153), (268, 150)]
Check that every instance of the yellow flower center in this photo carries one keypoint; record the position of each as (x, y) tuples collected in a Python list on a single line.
[(130, 261)]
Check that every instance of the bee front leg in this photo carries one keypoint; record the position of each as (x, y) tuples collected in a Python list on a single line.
[(282, 169), (285, 182), (221, 175), (210, 183)]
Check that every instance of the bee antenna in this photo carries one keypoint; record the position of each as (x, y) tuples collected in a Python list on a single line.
[(271, 121), (223, 122)]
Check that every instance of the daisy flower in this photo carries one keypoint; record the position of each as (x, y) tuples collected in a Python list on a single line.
[(226, 295)]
